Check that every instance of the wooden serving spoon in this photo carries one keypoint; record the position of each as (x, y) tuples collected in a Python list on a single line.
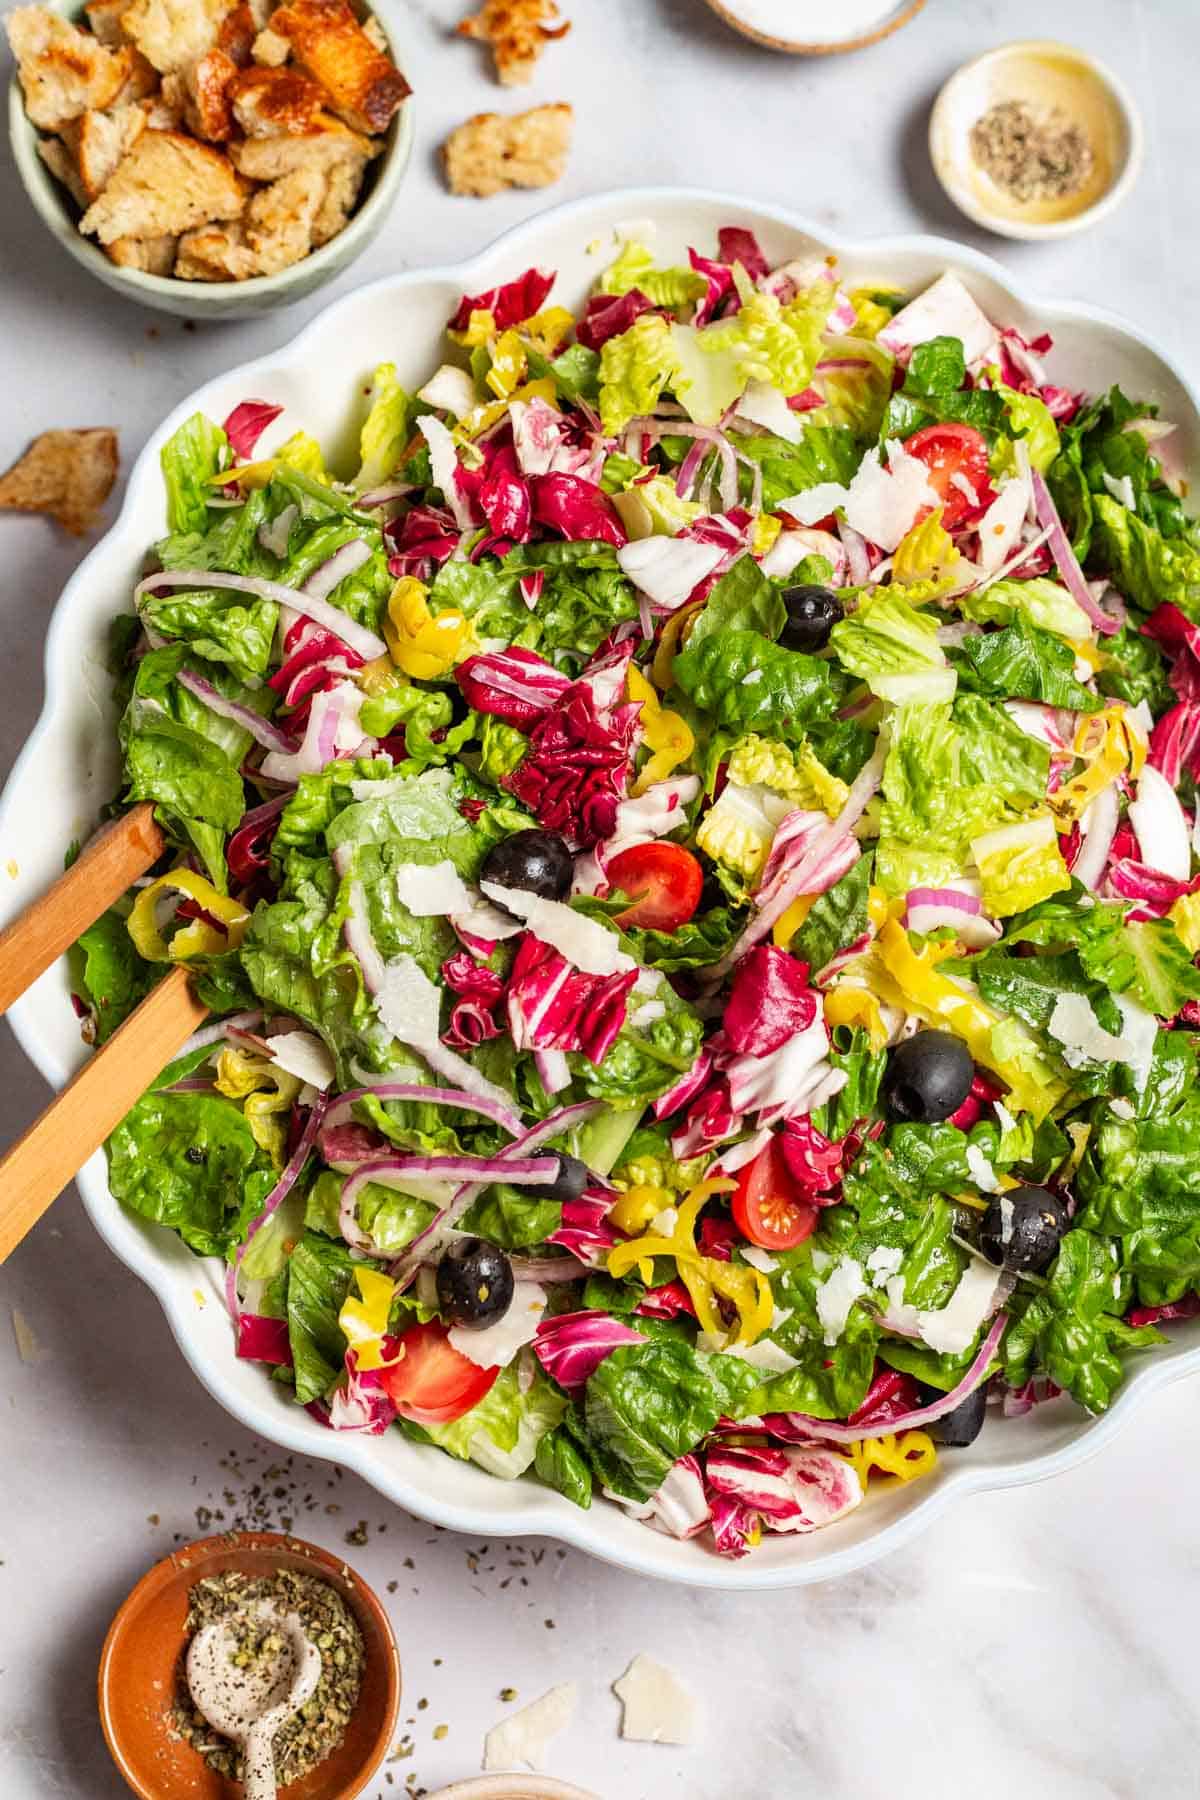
[(36, 1169)]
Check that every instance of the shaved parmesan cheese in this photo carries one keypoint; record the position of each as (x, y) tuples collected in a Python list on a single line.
[(648, 1014), (584, 942), (764, 405), (791, 547), (835, 1296), (433, 890), (1121, 489), (1121, 1108), (666, 569), (880, 503), (450, 390), (656, 1707), (304, 1055), (408, 1002), (771, 1358), (1162, 832), (1076, 1026), (944, 310), (762, 1260), (1000, 526), (1141, 1030), (494, 1346), (443, 462), (883, 1263), (482, 920), (955, 1326), (981, 1170), (1004, 1118), (522, 1737)]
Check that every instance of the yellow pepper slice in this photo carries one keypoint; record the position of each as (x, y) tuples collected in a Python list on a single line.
[(509, 365), (1185, 917), (663, 732), (548, 329), (1109, 745), (365, 1320), (788, 923), (766, 529), (196, 939), (705, 1277), (634, 1209), (480, 327), (670, 642), (853, 1006), (423, 644), (267, 1093), (906, 1454), (488, 413)]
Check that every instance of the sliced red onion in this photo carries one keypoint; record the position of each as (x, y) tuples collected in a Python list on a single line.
[(708, 435), (274, 1200), (546, 1268), (380, 496), (340, 1109), (191, 1084), (1065, 558), (340, 624), (689, 468), (858, 561), (553, 1070), (805, 1427), (260, 729), (326, 576), (931, 909), (213, 1034)]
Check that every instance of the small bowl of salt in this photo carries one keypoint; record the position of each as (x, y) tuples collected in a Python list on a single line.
[(1035, 140)]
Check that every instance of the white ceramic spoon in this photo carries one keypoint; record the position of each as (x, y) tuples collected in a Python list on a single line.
[(249, 1705)]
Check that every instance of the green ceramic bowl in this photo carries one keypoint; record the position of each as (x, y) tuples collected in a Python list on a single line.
[(215, 299)]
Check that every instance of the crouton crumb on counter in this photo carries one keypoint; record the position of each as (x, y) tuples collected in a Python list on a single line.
[(66, 474), (209, 140), (518, 31), (492, 152)]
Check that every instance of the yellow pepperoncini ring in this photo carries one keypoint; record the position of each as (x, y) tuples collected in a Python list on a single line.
[(639, 1206), (197, 939), (490, 412), (548, 330), (479, 328), (671, 642), (880, 908), (705, 1277), (509, 365), (267, 1093), (664, 733), (906, 1454), (424, 644), (788, 923), (847, 1005), (1109, 745), (365, 1321), (1185, 917), (926, 554), (766, 529)]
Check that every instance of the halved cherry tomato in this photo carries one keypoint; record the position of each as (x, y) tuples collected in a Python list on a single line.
[(766, 1207), (432, 1383), (947, 451), (665, 882)]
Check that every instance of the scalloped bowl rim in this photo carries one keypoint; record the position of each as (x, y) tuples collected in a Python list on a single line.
[(477, 1503)]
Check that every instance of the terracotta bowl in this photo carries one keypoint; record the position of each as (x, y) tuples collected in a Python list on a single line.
[(141, 1654)]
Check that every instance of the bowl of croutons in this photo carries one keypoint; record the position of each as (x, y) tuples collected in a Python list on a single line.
[(212, 158)]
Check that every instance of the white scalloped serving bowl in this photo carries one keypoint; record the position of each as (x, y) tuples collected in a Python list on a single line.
[(69, 769)]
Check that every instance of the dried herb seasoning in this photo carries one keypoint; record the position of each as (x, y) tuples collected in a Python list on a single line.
[(1032, 154), (320, 1725)]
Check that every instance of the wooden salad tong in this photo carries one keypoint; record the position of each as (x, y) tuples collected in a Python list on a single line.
[(40, 1164)]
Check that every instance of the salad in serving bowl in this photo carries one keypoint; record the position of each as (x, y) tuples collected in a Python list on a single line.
[(688, 849)]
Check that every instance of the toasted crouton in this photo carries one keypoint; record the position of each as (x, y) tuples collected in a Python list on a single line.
[(208, 81), (518, 31), (266, 159), (101, 140), (271, 50), (61, 163), (166, 184), (280, 218), (237, 33), (153, 256), (141, 80), (342, 184), (164, 110), (67, 474), (490, 153), (104, 19), (267, 102), (366, 87), (62, 71), (215, 253), (174, 33)]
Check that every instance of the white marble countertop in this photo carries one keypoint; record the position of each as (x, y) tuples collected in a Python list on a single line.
[(1039, 1641)]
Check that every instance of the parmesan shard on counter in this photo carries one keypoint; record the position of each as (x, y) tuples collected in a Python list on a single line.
[(656, 1707), (522, 1738)]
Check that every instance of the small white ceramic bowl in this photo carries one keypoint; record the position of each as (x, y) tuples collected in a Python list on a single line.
[(512, 1787), (834, 27), (213, 299), (69, 770), (1045, 74)]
